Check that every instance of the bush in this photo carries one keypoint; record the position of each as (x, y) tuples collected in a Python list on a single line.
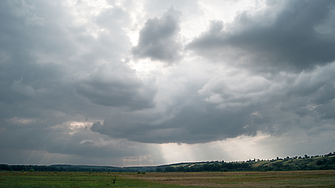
[(319, 162)]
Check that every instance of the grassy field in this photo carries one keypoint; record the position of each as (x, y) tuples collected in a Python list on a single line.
[(174, 179)]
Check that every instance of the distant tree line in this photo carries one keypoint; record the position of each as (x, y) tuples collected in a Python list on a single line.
[(73, 168), (323, 162), (211, 166)]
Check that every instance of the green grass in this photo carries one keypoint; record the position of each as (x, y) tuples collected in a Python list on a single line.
[(71, 179), (325, 178)]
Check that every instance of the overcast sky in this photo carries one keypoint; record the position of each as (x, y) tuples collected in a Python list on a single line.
[(128, 82)]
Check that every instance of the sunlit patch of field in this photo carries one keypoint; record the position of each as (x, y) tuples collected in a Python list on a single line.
[(324, 178)]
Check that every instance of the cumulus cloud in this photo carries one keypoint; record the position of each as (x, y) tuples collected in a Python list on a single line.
[(286, 35), (158, 39)]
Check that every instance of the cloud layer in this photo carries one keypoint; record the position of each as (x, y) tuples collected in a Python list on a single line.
[(127, 83)]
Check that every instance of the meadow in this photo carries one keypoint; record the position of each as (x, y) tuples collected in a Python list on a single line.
[(316, 178)]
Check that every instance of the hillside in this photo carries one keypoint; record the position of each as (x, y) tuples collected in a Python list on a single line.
[(318, 162), (322, 162)]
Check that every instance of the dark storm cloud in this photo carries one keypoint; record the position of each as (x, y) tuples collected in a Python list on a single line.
[(287, 35), (41, 63), (190, 125), (189, 119), (117, 87), (158, 39), (271, 106), (57, 140), (54, 72)]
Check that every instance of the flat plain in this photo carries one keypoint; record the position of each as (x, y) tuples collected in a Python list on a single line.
[(320, 178)]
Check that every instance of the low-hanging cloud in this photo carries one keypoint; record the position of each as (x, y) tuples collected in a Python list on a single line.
[(117, 87), (190, 125), (230, 106)]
